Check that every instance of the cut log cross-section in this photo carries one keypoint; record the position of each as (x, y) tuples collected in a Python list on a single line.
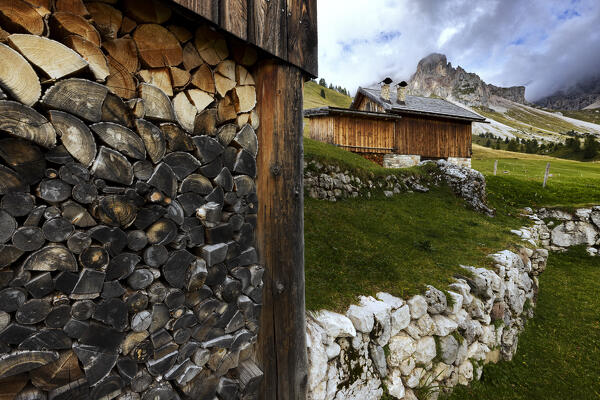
[(71, 6), (159, 77), (53, 58), (124, 52), (157, 46), (120, 81), (17, 77), (24, 122), (75, 136), (203, 79), (20, 16), (211, 45), (107, 19), (90, 53), (157, 103), (79, 97), (64, 24), (147, 11)]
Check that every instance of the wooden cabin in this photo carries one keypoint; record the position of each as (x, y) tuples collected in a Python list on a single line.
[(396, 130)]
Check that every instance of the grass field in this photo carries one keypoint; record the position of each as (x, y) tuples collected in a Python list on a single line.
[(559, 351), (312, 97)]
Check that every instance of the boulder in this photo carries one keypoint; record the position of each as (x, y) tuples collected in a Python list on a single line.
[(436, 300), (444, 325), (361, 318), (395, 385), (401, 347), (573, 234), (425, 350), (400, 319), (448, 349)]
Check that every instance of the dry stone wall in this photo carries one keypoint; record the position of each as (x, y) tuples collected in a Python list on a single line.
[(328, 182), (127, 205), (428, 343)]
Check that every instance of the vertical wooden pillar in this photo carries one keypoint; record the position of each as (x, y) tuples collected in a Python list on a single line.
[(280, 231)]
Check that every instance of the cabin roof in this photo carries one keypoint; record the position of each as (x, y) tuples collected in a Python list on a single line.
[(323, 111), (417, 105)]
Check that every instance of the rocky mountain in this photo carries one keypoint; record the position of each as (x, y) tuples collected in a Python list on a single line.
[(435, 76), (583, 95)]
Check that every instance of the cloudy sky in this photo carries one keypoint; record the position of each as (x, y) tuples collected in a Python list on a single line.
[(542, 44)]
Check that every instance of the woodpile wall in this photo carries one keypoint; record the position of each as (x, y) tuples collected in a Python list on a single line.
[(127, 204)]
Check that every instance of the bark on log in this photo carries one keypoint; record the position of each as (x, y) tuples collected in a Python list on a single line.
[(24, 122), (147, 11), (75, 136), (124, 52), (20, 16), (90, 53), (157, 46), (17, 77), (211, 45), (63, 24), (79, 97), (107, 19)]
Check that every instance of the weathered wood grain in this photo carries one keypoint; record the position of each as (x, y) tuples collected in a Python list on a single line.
[(280, 231)]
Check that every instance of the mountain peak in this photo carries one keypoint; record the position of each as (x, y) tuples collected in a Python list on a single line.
[(435, 76)]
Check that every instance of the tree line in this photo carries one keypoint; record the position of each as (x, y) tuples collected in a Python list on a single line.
[(331, 86), (572, 147)]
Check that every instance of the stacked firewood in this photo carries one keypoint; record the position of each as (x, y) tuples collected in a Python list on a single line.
[(127, 204)]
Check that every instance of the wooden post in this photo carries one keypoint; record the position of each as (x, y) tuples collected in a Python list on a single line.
[(495, 166), (546, 174), (280, 231)]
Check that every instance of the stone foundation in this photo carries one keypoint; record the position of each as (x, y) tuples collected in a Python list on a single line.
[(400, 160), (460, 161)]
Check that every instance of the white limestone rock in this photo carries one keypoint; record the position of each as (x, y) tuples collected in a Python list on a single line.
[(361, 318), (442, 371), (477, 351), (426, 325), (335, 325), (395, 385), (382, 313), (332, 350), (461, 354), (574, 233), (460, 316), (465, 373), (448, 349), (444, 325), (401, 347), (418, 306), (455, 303), (407, 366), (414, 379), (378, 357), (425, 350), (400, 319), (317, 359), (436, 300), (461, 286), (392, 301)]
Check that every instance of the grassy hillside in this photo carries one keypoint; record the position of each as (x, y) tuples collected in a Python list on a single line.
[(520, 177), (592, 116), (312, 97), (557, 359), (359, 246)]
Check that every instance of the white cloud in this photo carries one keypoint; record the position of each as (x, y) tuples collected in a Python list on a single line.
[(544, 44)]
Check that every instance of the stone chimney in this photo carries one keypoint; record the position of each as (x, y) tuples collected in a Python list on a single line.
[(385, 88), (401, 98)]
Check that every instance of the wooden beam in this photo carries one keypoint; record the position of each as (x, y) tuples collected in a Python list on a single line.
[(208, 9), (302, 34), (233, 16), (280, 231), (267, 26)]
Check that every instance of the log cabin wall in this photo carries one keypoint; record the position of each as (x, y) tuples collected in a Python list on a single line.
[(354, 133), (128, 205), (433, 137)]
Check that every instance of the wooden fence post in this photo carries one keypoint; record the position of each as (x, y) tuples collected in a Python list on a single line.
[(280, 231), (546, 174), (495, 167)]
